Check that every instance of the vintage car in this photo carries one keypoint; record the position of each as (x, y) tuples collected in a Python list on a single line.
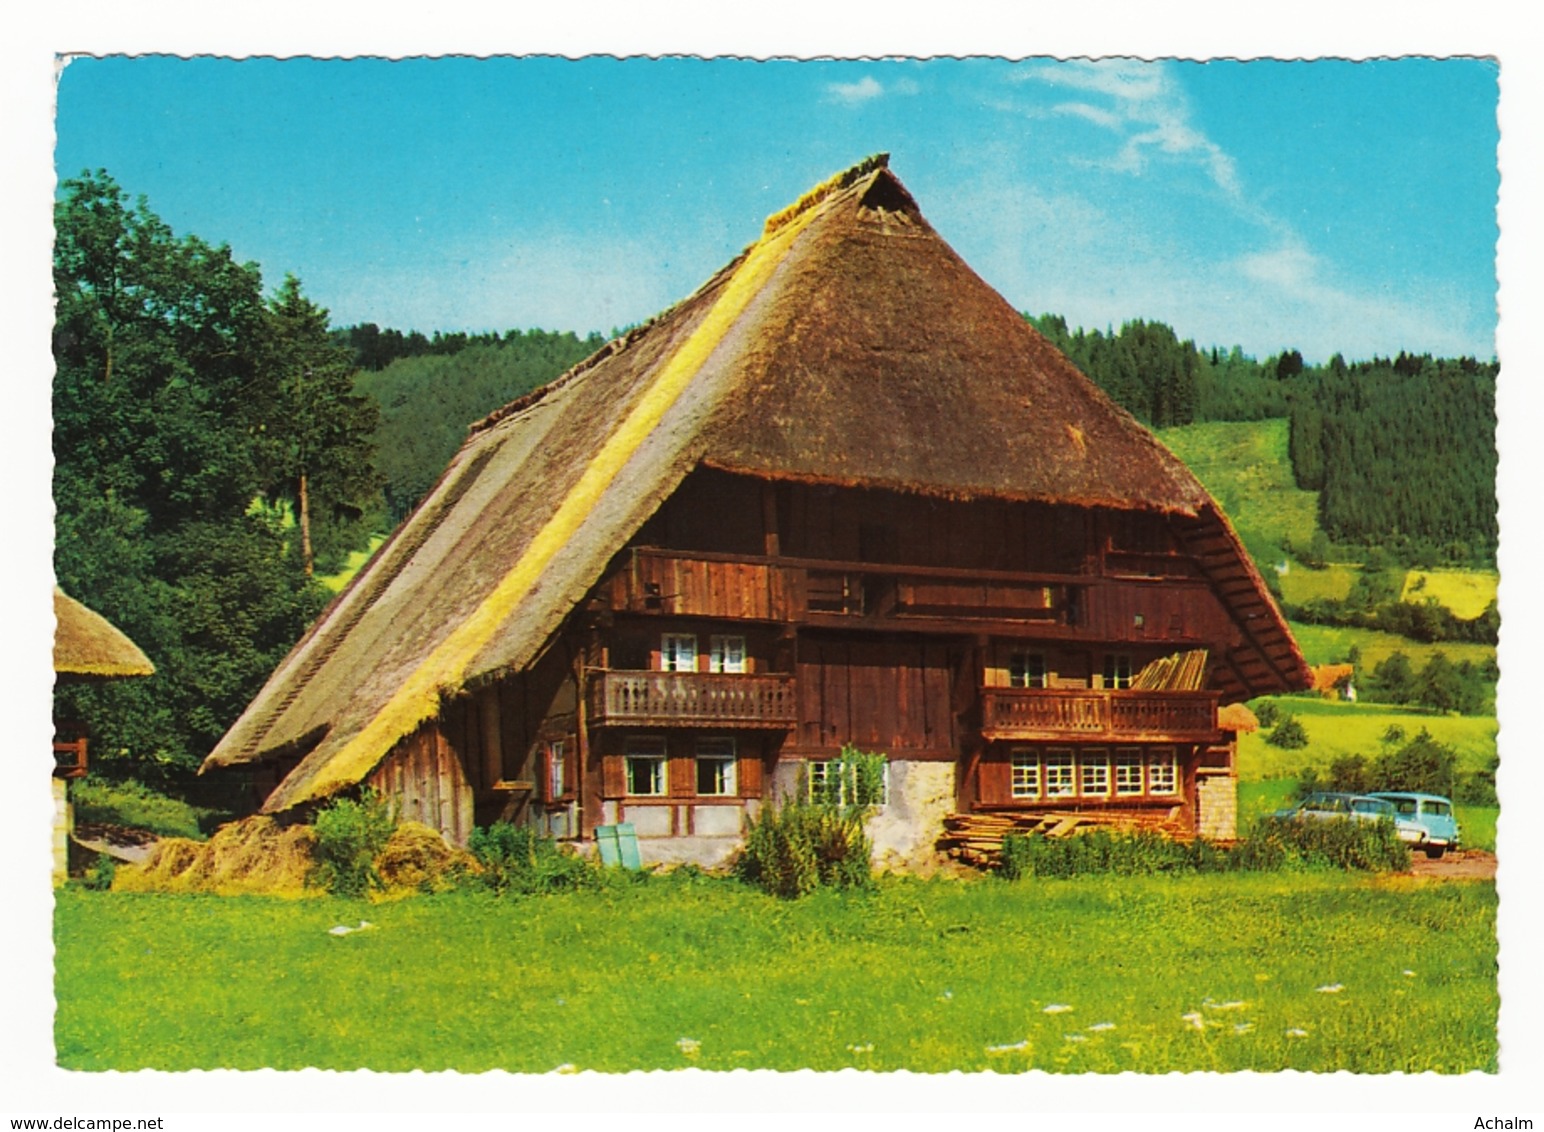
[(1329, 806), (1431, 813)]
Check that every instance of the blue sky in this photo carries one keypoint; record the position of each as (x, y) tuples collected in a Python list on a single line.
[(1323, 205)]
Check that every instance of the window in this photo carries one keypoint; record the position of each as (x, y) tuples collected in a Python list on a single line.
[(678, 652), (1128, 771), (828, 784), (1026, 774), (716, 767), (1026, 670), (1059, 782), (1161, 776), (1094, 773), (1117, 671), (556, 786), (726, 654), (1091, 772), (646, 767)]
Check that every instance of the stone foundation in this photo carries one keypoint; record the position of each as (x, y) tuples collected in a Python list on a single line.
[(1217, 799)]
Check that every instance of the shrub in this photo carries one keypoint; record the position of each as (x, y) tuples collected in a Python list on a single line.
[(1267, 712), (1270, 846), (349, 834), (1288, 734), (517, 860), (792, 849)]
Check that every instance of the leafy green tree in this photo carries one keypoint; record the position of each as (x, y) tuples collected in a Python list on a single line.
[(317, 439), (163, 396)]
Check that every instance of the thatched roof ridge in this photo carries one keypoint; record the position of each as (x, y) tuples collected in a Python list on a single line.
[(849, 344), (88, 644)]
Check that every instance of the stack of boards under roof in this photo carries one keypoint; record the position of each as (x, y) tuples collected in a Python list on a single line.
[(849, 345)]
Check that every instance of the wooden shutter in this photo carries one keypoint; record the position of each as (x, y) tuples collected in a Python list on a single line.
[(613, 776), (750, 776)]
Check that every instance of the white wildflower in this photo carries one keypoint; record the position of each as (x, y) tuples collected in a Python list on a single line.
[(1233, 1004), (567, 1067), (1194, 1019), (1074, 1038), (946, 996), (866, 1047), (1242, 1027), (1100, 1027), (1294, 1032), (1057, 1008), (1409, 974), (1330, 988), (688, 1046), (1009, 1048), (343, 929)]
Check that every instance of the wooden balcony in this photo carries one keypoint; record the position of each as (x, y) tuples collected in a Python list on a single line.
[(1091, 715), (692, 699)]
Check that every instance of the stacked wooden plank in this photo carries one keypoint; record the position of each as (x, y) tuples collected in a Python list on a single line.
[(977, 839), (1182, 672)]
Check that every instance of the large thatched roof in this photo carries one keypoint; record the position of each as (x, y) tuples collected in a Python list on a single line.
[(88, 644), (848, 345)]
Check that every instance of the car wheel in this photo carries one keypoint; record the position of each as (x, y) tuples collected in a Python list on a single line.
[(1435, 851)]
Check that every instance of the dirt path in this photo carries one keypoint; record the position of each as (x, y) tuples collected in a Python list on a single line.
[(1468, 864)]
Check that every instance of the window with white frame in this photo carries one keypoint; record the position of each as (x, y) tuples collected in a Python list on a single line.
[(1094, 773), (726, 654), (716, 767), (1128, 771), (1058, 773), (645, 760), (556, 784), (1026, 670), (1117, 671), (826, 784), (1026, 774), (678, 652), (1162, 776)]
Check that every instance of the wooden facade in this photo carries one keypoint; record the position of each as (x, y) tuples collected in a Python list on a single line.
[(753, 624)]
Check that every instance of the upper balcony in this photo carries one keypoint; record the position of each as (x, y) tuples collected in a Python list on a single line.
[(1095, 715), (692, 699)]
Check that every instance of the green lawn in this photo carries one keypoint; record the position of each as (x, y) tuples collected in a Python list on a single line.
[(1337, 728), (1216, 972), (1300, 584), (1330, 644)]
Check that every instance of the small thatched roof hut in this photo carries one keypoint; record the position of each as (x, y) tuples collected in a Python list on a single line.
[(849, 346), (86, 644)]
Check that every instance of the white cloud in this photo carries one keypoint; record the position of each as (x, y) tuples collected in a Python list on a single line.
[(1061, 253), (868, 88), (1144, 104)]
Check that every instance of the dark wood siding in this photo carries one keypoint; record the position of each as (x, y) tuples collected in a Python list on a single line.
[(891, 696)]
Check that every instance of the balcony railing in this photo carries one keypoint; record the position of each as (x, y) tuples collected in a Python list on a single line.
[(1090, 714), (692, 699)]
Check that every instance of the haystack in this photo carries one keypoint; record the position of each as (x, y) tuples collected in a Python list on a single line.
[(255, 855), (419, 859)]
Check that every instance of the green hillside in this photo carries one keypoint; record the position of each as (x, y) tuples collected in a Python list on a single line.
[(1244, 465)]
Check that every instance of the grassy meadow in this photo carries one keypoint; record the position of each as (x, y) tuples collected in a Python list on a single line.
[(1244, 465), (1311, 971), (1336, 729), (1331, 644)]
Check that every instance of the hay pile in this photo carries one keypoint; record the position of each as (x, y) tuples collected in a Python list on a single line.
[(256, 854), (260, 855), (419, 859)]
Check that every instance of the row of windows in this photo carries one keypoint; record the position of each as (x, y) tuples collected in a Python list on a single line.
[(1093, 772), (716, 767), (678, 653), (1028, 670)]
